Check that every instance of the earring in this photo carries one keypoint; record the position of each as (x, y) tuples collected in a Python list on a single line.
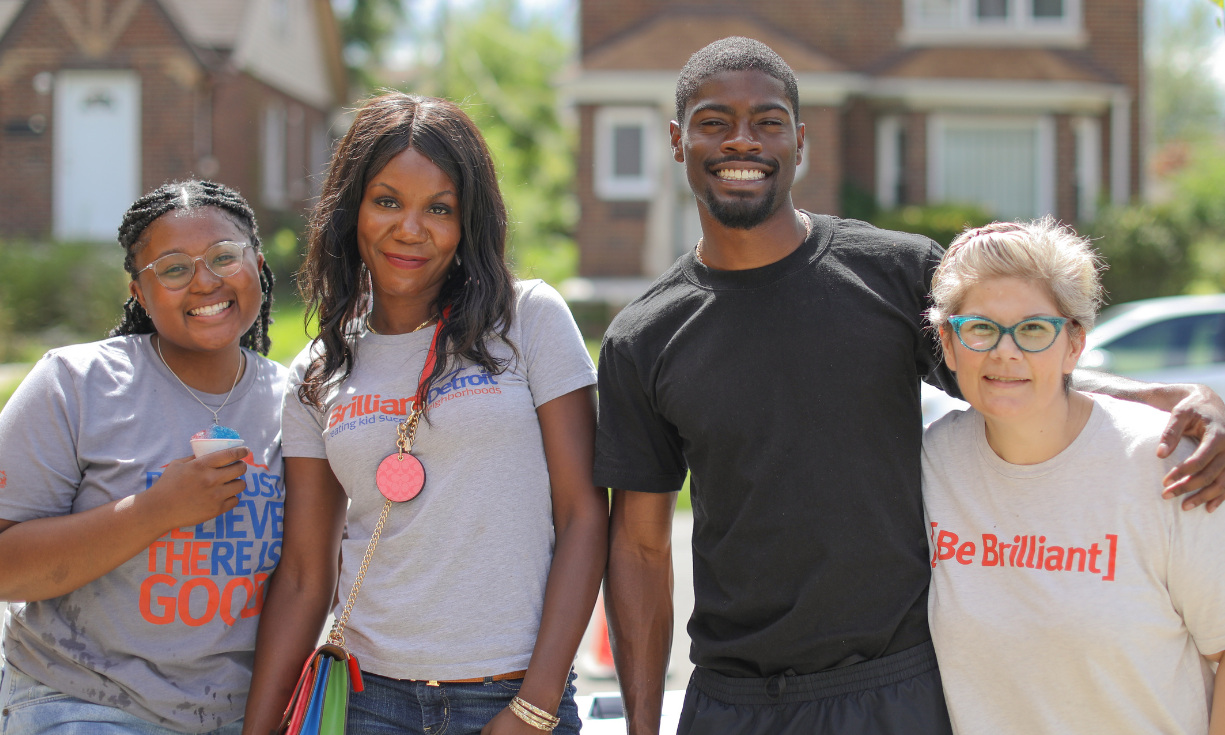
[(458, 262)]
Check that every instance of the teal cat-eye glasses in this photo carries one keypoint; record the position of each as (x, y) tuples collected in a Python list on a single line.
[(981, 334)]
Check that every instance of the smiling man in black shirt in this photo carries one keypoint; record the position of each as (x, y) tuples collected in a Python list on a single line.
[(779, 364)]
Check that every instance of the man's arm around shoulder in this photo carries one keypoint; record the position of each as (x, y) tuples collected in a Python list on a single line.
[(638, 602), (1195, 411)]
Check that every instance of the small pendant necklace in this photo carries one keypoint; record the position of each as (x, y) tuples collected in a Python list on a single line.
[(370, 329), (241, 365)]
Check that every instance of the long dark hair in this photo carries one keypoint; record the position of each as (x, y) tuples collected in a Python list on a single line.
[(187, 196), (334, 281)]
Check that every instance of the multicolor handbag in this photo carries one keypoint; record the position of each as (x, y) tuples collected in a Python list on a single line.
[(320, 701)]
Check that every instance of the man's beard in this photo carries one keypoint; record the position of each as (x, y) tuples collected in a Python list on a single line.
[(742, 214)]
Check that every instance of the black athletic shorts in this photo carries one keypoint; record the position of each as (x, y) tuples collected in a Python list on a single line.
[(899, 694)]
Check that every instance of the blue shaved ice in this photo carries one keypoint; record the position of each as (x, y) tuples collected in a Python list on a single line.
[(217, 432)]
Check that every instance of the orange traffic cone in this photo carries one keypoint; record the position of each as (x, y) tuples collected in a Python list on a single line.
[(598, 658)]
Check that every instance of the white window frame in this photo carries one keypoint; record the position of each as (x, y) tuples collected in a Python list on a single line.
[(1044, 178), (888, 160), (1088, 131), (626, 188), (1020, 27), (275, 163)]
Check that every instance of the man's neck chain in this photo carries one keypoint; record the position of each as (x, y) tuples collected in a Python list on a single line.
[(803, 217)]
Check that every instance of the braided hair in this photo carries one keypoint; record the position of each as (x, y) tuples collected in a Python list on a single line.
[(187, 196)]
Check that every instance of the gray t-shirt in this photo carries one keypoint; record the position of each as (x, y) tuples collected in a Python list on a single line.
[(456, 587), (169, 635)]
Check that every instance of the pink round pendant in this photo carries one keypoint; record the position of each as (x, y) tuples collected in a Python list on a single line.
[(400, 477)]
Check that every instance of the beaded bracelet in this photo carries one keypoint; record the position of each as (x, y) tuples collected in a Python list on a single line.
[(533, 715)]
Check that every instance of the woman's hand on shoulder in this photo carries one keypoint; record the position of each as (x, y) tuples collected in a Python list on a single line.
[(194, 490)]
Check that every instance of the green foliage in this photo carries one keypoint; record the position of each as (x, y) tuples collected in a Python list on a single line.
[(283, 253), (858, 203), (366, 30), (940, 222), (498, 63), (288, 332), (9, 382), (1171, 247), (1185, 103), (1147, 249), (53, 294)]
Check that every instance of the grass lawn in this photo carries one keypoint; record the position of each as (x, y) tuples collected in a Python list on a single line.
[(288, 332), (9, 383)]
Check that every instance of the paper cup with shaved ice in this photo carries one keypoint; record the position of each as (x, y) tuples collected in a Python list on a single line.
[(214, 439)]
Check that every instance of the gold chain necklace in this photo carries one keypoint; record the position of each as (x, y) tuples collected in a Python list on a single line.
[(370, 329), (698, 250)]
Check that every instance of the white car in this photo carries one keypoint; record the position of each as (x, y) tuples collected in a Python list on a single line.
[(1177, 339)]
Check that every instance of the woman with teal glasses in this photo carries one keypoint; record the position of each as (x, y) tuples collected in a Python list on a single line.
[(1068, 595)]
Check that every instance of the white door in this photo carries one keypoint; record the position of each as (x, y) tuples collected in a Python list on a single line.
[(96, 174)]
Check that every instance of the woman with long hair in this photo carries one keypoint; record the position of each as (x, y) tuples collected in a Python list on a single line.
[(451, 409), (1068, 595), (140, 570)]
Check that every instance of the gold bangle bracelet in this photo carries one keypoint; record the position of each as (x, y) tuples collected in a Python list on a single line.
[(530, 719), (533, 715)]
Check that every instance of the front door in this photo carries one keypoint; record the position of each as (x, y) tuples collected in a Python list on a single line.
[(96, 129)]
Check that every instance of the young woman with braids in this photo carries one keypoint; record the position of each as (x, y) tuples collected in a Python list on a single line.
[(480, 588), (142, 569)]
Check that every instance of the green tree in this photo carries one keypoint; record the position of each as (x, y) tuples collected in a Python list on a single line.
[(367, 28), (1185, 102), (498, 62)]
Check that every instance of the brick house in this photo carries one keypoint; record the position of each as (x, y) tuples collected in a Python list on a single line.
[(102, 100), (1024, 107)]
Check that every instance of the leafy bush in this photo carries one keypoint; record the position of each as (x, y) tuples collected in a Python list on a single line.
[(1148, 251), (940, 222), (53, 294), (1172, 247)]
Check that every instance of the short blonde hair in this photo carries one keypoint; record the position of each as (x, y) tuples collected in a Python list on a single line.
[(1043, 251)]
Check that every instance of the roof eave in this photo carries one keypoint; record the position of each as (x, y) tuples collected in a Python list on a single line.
[(659, 87), (996, 94)]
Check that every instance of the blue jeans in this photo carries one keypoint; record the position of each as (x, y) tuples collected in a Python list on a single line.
[(29, 708), (403, 707)]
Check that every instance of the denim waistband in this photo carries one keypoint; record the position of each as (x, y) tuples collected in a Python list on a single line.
[(783, 689)]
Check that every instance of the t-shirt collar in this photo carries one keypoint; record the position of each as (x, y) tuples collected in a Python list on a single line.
[(213, 400), (808, 251), (1025, 471)]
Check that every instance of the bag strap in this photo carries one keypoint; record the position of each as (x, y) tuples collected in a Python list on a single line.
[(406, 435)]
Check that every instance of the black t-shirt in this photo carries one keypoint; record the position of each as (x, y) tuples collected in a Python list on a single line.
[(791, 394)]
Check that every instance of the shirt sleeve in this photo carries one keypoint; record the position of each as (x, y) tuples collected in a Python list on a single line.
[(39, 469), (636, 448), (551, 346), (302, 425), (930, 358), (1195, 579)]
